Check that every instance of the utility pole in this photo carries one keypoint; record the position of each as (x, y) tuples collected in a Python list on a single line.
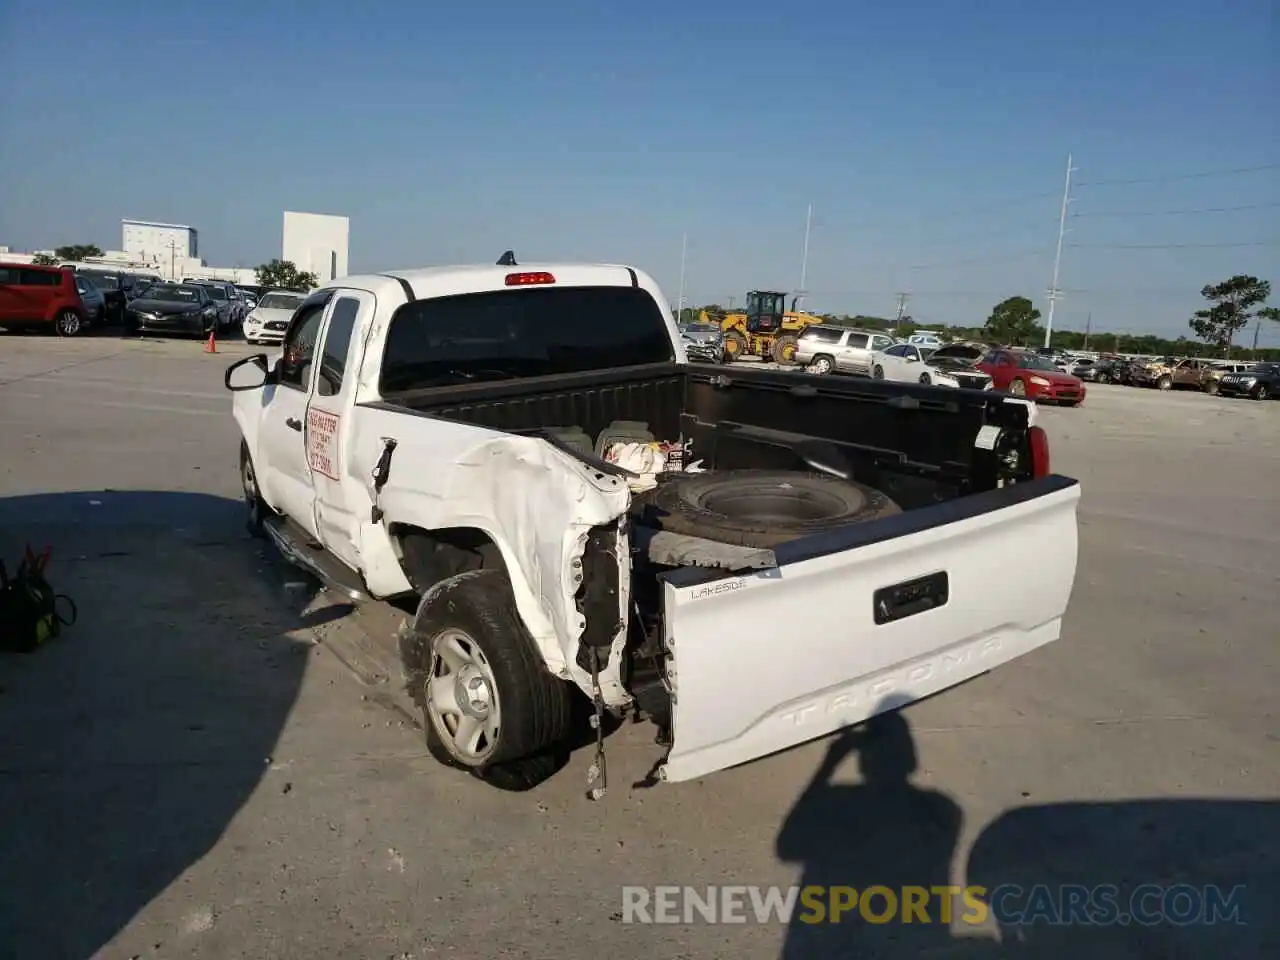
[(1054, 292), (1256, 327), (804, 258), (1088, 326), (902, 309), (684, 255)]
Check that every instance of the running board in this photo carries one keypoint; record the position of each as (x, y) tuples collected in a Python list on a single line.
[(301, 549)]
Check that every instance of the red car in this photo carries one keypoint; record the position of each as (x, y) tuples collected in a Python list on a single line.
[(41, 297), (1026, 374)]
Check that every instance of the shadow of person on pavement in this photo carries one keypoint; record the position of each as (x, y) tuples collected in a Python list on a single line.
[(130, 742), (1136, 878), (883, 832)]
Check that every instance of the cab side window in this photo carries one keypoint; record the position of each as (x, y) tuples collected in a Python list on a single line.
[(337, 342), (300, 347)]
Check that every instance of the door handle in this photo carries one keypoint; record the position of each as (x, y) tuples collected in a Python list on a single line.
[(293, 423)]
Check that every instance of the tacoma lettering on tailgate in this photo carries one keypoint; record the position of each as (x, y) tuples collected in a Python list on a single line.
[(962, 661)]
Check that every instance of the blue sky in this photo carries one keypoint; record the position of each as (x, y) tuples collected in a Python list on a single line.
[(931, 138)]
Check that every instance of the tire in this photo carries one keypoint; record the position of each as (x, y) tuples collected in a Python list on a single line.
[(1018, 388), (469, 624), (821, 365), (256, 510), (1261, 392), (926, 379), (735, 346), (758, 508), (1103, 378), (1165, 383), (784, 350), (68, 323), (878, 372), (1211, 388)]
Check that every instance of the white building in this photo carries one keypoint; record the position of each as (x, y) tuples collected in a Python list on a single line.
[(152, 242), (316, 243)]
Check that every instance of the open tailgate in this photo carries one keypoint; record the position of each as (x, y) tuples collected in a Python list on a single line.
[(858, 619)]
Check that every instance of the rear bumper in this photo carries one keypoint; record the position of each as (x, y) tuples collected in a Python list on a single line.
[(764, 662)]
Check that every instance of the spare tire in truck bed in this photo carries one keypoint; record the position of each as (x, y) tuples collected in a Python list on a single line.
[(758, 508)]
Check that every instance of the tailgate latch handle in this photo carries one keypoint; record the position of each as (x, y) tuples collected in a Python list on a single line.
[(906, 599)]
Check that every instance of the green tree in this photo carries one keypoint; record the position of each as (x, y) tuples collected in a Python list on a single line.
[(77, 251), (1232, 303), (283, 275), (45, 260), (1270, 313), (1013, 321)]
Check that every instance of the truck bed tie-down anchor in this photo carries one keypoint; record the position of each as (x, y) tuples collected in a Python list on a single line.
[(597, 773)]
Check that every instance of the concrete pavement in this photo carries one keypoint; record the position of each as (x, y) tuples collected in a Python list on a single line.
[(189, 773)]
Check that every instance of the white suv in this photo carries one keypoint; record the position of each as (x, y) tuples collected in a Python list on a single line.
[(825, 349)]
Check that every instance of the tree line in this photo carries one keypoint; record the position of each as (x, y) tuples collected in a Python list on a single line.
[(1231, 306)]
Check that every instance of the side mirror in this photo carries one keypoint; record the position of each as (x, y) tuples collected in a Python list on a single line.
[(250, 373)]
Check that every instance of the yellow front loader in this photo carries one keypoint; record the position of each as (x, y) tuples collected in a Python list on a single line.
[(765, 329)]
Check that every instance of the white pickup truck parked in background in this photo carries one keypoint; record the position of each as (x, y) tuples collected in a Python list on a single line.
[(751, 561)]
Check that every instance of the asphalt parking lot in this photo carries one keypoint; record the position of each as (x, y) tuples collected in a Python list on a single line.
[(191, 772)]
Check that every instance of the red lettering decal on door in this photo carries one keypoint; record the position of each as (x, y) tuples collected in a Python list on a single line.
[(322, 442)]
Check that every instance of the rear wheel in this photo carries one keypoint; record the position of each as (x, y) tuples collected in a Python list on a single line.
[(1165, 382), (1211, 388), (489, 704), (68, 323), (820, 365)]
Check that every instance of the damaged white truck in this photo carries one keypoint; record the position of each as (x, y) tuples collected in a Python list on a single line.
[(587, 520)]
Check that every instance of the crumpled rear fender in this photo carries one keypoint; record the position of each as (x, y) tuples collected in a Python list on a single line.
[(538, 505)]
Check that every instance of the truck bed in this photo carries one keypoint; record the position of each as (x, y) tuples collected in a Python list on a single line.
[(914, 443)]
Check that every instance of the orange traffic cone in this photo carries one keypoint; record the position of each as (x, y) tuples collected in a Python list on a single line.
[(212, 345)]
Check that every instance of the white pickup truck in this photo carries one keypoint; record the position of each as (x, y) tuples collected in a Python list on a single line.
[(587, 519)]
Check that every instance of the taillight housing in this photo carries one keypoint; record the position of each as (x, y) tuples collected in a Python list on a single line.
[(529, 279), (1039, 441)]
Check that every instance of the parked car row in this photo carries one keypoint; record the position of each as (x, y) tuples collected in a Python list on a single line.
[(69, 299), (965, 365), (1229, 377)]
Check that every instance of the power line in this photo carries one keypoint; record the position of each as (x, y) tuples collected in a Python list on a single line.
[(1182, 176), (955, 214), (973, 260), (1174, 246), (1171, 213)]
